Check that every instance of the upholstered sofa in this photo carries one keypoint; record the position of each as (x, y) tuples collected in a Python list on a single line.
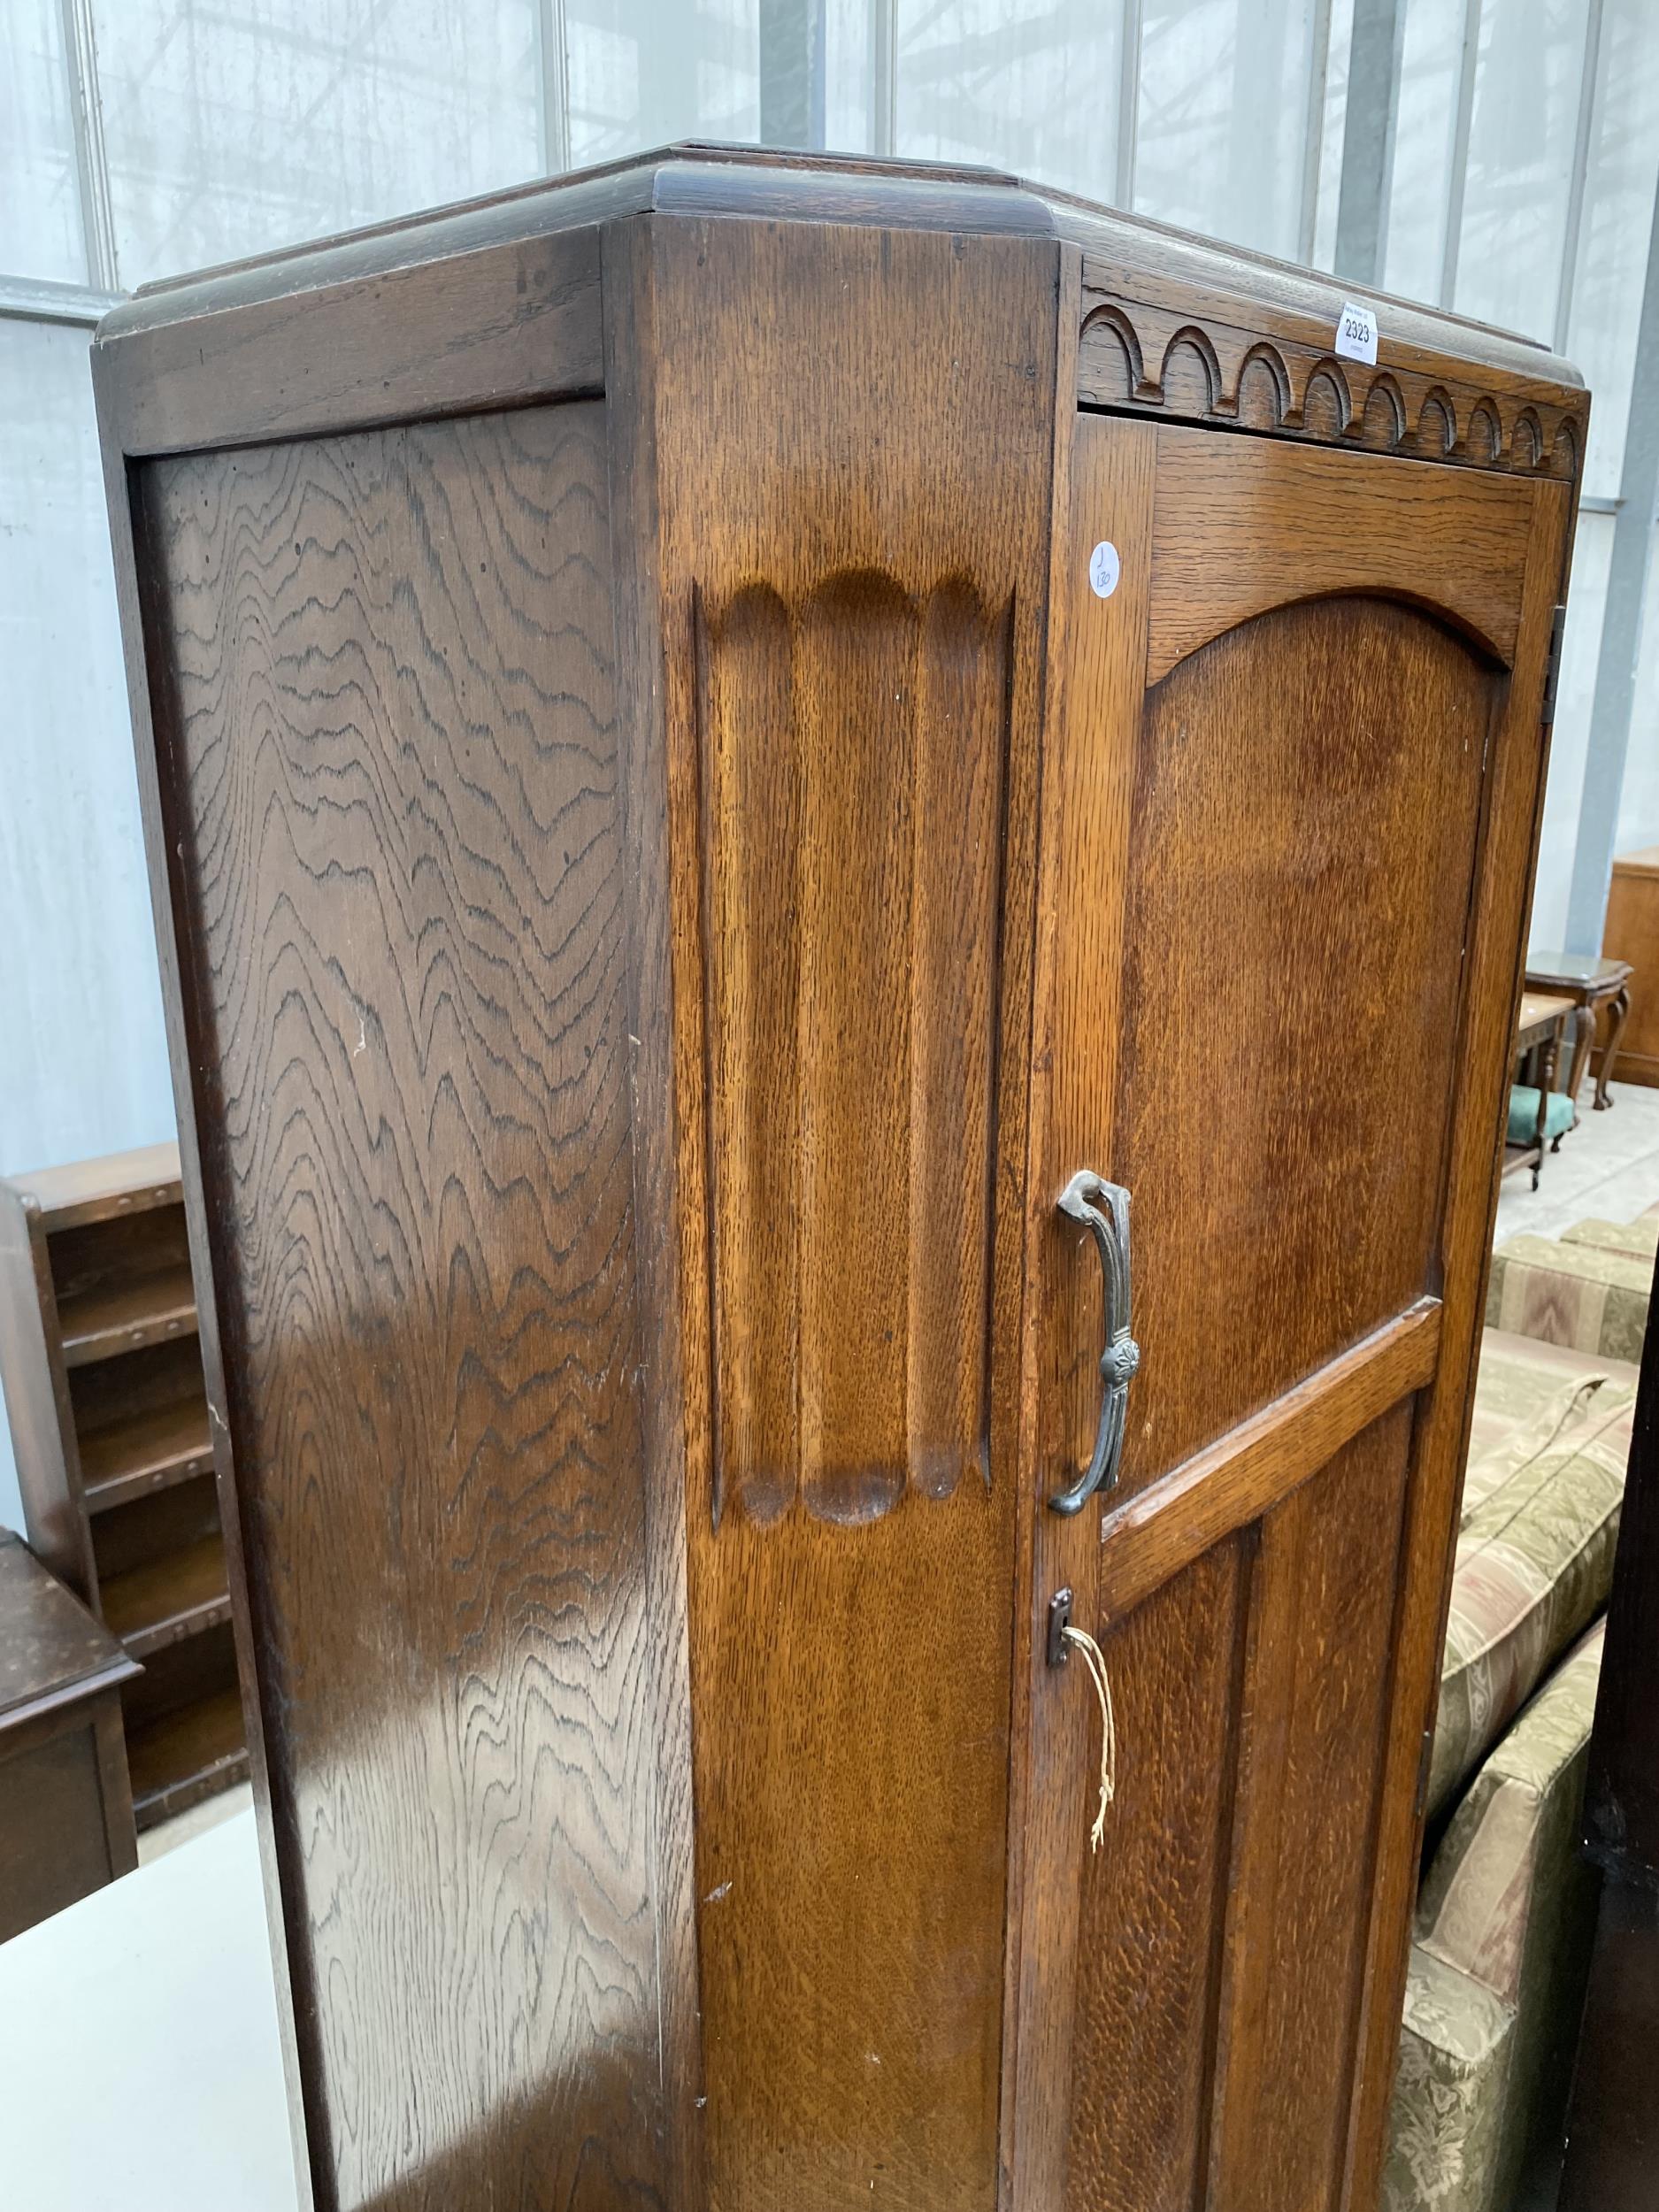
[(1501, 1943)]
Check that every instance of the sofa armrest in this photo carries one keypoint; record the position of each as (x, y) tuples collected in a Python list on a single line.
[(1445, 2132), (1570, 1294)]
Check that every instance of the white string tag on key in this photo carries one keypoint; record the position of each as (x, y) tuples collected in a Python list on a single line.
[(1094, 1660)]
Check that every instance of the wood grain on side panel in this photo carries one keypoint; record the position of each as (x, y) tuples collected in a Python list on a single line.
[(389, 763), (852, 620), (504, 323)]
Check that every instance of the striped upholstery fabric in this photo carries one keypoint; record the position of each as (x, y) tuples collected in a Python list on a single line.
[(1533, 1566), (1570, 1294), (1553, 1419), (1517, 1377), (1503, 1928), (1638, 1239)]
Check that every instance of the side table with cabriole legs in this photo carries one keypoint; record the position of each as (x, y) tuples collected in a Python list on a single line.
[(1590, 981)]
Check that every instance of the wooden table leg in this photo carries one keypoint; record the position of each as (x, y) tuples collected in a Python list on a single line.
[(1583, 1038), (1618, 1014), (1546, 1084)]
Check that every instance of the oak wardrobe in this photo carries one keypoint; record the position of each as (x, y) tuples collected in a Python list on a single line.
[(718, 737)]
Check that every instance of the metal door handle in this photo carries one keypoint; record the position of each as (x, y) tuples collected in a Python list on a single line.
[(1122, 1356)]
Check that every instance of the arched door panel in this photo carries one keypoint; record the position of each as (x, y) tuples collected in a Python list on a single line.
[(1290, 787)]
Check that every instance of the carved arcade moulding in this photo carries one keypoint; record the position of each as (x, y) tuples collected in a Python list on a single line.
[(1135, 354)]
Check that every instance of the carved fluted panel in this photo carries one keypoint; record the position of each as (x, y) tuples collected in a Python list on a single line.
[(1143, 355), (853, 757)]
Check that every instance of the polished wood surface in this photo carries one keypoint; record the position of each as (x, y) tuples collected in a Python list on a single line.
[(657, 892), (1284, 1506), (1540, 1016), (402, 903), (1492, 933), (65, 1803), (516, 320), (1631, 933), (151, 1451), (1314, 1230), (1163, 321), (1221, 554), (187, 1752), (117, 1183), (864, 718), (1156, 339), (1229, 1484), (1539, 1023)]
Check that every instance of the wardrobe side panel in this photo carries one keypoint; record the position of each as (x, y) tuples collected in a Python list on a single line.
[(381, 669)]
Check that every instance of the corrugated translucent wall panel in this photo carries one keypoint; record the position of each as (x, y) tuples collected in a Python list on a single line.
[(1223, 118), (1330, 122), (40, 207), (1022, 84), (1639, 798), (84, 1057), (1521, 141), (1592, 549), (1613, 241), (241, 125), (1425, 132), (854, 85), (80, 1002), (641, 72)]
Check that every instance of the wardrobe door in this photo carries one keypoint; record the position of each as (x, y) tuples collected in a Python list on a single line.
[(1288, 820)]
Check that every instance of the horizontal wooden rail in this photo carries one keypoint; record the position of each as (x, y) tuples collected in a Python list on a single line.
[(1234, 1482), (504, 325)]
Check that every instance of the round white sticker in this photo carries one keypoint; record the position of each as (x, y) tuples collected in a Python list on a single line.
[(1103, 569)]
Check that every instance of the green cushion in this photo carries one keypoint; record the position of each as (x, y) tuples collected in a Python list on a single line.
[(1524, 1114)]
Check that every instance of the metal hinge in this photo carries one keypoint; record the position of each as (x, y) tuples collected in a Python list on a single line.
[(1552, 666), (1423, 1757)]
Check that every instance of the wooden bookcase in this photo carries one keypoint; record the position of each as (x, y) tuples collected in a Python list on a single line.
[(104, 1387)]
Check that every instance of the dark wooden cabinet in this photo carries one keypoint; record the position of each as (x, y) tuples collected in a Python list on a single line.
[(1610, 2135), (713, 737), (1631, 932), (108, 1411), (65, 1803)]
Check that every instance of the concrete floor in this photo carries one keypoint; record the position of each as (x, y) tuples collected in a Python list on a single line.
[(1608, 1169)]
